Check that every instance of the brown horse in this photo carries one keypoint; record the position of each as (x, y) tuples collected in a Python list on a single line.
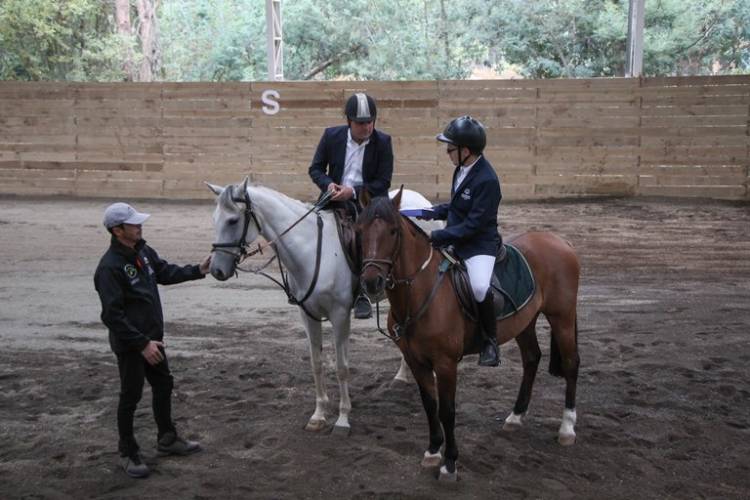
[(428, 324)]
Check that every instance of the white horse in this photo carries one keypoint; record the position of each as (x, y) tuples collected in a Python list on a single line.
[(319, 278)]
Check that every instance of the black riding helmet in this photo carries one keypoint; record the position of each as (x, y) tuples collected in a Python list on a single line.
[(465, 132), (361, 108)]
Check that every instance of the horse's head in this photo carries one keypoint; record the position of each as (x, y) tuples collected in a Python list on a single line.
[(380, 228), (235, 225)]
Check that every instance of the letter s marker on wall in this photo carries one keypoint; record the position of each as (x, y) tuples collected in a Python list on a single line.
[(270, 104)]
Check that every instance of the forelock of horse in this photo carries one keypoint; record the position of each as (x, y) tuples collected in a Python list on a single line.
[(379, 207), (227, 197)]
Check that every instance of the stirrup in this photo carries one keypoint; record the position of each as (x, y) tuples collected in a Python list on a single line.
[(490, 354), (362, 308)]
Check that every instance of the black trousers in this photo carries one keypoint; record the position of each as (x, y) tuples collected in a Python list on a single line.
[(134, 369)]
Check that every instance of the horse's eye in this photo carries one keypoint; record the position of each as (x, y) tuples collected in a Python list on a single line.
[(393, 232), (232, 222)]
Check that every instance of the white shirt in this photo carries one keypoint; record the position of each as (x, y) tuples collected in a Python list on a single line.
[(463, 172), (355, 155)]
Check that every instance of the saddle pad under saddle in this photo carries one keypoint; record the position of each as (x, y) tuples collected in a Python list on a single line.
[(516, 283)]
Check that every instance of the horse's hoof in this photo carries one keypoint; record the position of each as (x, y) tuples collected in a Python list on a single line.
[(512, 426), (431, 459), (315, 425), (566, 439), (513, 422), (450, 477), (341, 430)]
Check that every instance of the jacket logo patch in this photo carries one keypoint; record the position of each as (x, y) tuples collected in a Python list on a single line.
[(131, 271), (466, 195)]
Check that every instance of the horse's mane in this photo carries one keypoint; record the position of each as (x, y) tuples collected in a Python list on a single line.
[(382, 207), (417, 229)]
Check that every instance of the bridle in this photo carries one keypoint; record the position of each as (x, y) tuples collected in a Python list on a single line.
[(241, 252), (391, 282), (239, 248), (380, 264)]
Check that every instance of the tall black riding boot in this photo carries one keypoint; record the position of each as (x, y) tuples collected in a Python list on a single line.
[(362, 306), (490, 355)]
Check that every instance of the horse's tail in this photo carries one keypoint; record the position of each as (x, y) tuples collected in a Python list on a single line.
[(555, 361)]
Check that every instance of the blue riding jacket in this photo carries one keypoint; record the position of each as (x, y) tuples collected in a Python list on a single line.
[(471, 214)]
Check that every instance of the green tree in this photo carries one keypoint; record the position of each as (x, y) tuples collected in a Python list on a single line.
[(583, 38), (373, 40), (59, 40), (696, 37), (213, 40), (221, 40)]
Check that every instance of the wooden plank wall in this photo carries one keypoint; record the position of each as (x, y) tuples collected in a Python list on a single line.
[(547, 138)]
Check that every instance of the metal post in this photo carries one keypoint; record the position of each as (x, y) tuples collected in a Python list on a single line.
[(274, 38), (634, 60)]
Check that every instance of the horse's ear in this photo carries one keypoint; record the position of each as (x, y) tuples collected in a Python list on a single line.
[(245, 183), (217, 190), (364, 198), (397, 199)]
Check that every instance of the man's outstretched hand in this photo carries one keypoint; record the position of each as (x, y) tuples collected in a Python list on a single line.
[(203, 266)]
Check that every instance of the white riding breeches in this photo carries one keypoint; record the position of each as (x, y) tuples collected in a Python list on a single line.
[(480, 269)]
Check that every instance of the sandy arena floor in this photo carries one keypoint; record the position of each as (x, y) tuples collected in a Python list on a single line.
[(663, 395)]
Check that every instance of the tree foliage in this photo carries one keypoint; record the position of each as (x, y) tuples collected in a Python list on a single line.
[(213, 40), (221, 40), (577, 38), (58, 40)]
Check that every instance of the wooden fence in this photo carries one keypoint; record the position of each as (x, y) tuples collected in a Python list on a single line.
[(546, 138)]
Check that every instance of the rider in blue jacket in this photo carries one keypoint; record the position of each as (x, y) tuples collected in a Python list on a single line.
[(471, 220)]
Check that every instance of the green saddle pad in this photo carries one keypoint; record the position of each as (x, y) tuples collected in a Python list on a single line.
[(513, 279)]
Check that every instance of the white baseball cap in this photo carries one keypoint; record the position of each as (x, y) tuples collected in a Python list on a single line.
[(122, 213)]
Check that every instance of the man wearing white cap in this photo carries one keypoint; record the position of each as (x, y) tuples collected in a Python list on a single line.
[(126, 280), (353, 157)]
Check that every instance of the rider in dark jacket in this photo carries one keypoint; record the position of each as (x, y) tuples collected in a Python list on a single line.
[(471, 220), (353, 158)]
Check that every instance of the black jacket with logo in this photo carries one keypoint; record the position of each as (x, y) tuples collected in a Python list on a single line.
[(126, 281)]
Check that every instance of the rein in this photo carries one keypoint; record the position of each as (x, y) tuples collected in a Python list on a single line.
[(401, 327), (241, 254)]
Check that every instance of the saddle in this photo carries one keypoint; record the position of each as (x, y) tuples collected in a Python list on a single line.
[(512, 282), (349, 240)]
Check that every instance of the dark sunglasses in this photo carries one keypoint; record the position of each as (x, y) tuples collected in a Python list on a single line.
[(450, 150)]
